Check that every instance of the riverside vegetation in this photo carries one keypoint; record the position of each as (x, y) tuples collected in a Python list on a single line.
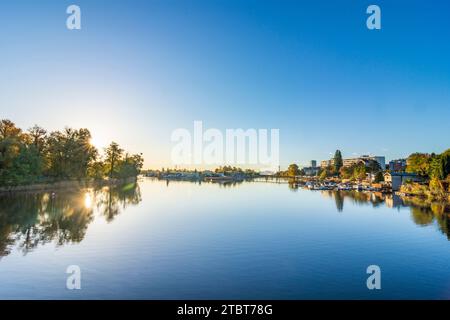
[(433, 169), (38, 157)]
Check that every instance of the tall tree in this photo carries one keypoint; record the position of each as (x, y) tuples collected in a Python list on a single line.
[(419, 163), (373, 166), (70, 153), (113, 156), (19, 160), (293, 170), (8, 129), (440, 166), (38, 136), (130, 166), (338, 162), (445, 160), (359, 171)]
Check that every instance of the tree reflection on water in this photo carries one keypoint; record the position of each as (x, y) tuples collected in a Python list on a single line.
[(423, 212), (31, 219)]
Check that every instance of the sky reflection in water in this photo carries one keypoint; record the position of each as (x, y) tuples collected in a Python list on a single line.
[(160, 240)]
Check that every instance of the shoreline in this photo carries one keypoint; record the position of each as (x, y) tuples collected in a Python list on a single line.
[(68, 185), (65, 185)]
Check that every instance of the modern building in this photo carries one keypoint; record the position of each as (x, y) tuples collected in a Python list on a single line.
[(381, 160), (365, 159), (397, 165), (313, 170), (326, 163)]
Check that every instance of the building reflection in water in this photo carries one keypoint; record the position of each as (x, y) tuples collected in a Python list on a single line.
[(423, 212), (31, 219)]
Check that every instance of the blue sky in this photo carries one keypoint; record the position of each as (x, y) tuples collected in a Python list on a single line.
[(140, 69)]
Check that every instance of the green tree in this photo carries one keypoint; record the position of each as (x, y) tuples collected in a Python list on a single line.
[(359, 171), (346, 172), (38, 137), (25, 167), (436, 170), (379, 177), (373, 166), (293, 170), (440, 166), (70, 153), (8, 130), (96, 170), (18, 162), (338, 162), (419, 163), (131, 166), (113, 157), (445, 158)]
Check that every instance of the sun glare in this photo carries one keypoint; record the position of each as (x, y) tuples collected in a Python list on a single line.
[(88, 200), (99, 142)]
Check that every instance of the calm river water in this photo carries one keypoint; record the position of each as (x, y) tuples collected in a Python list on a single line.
[(253, 240)]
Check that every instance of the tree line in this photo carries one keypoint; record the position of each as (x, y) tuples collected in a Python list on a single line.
[(36, 155), (434, 168), (357, 171)]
